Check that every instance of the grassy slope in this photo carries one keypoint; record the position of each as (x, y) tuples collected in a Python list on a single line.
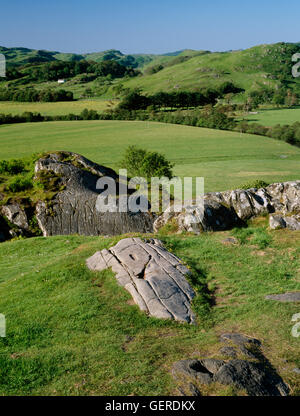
[(225, 159), (74, 332), (247, 69)]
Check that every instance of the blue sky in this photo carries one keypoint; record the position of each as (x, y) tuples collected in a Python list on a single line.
[(135, 26)]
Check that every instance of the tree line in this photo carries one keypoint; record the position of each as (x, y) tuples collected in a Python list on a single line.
[(33, 95), (135, 100), (52, 71)]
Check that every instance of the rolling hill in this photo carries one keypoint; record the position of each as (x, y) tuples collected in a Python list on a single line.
[(21, 56), (257, 67)]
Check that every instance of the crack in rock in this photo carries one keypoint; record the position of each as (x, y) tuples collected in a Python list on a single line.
[(155, 278)]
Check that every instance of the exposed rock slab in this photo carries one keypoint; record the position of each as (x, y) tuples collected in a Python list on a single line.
[(257, 377), (285, 297), (155, 278), (73, 208)]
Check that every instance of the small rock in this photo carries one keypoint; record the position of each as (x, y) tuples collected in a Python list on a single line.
[(276, 222), (230, 240), (285, 297)]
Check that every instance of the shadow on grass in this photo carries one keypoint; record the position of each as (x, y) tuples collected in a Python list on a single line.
[(204, 300)]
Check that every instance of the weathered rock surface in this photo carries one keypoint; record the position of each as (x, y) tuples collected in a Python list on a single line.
[(225, 210), (257, 377), (292, 222), (16, 215), (285, 297), (73, 209), (155, 278)]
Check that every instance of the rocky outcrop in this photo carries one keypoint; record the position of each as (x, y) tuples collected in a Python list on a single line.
[(256, 377), (67, 205), (72, 210), (225, 210), (155, 278)]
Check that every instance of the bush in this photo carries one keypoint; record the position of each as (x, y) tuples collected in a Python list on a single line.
[(12, 167), (20, 183), (258, 183), (140, 162)]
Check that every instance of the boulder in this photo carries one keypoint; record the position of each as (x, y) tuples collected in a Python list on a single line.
[(292, 222), (285, 196), (257, 378), (72, 209), (155, 278), (16, 215)]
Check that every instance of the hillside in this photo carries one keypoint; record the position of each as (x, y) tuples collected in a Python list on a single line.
[(260, 66), (23, 56), (265, 68)]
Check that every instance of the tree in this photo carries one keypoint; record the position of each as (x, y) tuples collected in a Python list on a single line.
[(134, 100), (140, 162), (279, 98)]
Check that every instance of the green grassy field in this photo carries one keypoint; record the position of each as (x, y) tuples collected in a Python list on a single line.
[(225, 159), (74, 332), (53, 109), (275, 116)]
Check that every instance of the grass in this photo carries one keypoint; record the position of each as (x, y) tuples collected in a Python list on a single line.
[(275, 116), (53, 109), (74, 332), (225, 159)]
